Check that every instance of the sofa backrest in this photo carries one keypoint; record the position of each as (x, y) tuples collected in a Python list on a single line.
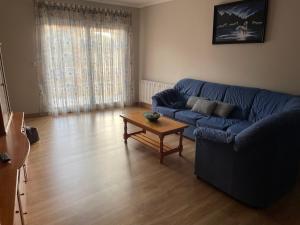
[(267, 103), (213, 91), (251, 103), (242, 98), (292, 104), (189, 87)]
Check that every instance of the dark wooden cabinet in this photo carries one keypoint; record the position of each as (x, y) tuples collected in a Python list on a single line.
[(5, 115)]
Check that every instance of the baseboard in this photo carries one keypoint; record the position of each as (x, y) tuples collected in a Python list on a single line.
[(34, 115), (144, 105)]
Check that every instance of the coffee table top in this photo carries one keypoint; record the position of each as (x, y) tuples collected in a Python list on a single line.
[(163, 126)]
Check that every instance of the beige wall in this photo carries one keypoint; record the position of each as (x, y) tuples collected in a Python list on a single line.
[(17, 36), (176, 42)]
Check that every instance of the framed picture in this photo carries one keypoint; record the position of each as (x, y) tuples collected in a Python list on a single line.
[(240, 22)]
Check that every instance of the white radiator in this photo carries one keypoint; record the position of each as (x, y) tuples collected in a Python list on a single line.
[(150, 88)]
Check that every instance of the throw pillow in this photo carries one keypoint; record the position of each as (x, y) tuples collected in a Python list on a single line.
[(192, 101), (223, 109), (204, 106)]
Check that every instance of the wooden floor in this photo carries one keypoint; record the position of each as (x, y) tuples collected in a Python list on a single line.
[(81, 173)]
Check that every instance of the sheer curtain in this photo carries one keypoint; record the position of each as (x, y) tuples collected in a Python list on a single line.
[(84, 57)]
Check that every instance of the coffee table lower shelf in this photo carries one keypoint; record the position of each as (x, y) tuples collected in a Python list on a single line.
[(157, 145), (154, 144)]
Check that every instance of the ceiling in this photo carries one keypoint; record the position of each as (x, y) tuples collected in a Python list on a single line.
[(132, 3)]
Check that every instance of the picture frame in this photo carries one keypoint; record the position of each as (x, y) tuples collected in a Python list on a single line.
[(240, 22)]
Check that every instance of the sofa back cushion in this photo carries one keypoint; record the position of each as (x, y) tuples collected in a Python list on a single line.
[(292, 104), (213, 91), (242, 98), (266, 103), (189, 87)]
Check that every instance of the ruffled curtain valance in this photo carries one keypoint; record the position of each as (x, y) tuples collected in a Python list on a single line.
[(101, 15), (82, 8)]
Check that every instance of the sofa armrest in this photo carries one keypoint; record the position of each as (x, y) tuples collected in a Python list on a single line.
[(166, 98), (155, 102), (214, 135), (277, 127), (157, 98)]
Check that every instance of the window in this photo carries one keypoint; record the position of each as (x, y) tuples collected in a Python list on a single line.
[(85, 63)]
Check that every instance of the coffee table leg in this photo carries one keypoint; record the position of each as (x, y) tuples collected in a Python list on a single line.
[(161, 149), (180, 147), (125, 136)]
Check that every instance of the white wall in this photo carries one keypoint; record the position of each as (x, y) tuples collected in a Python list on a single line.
[(176, 42)]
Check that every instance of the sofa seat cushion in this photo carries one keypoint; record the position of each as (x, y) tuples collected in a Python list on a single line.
[(239, 127), (214, 135), (188, 116), (216, 122), (165, 111)]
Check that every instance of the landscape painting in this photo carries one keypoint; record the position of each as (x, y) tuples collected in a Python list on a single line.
[(240, 22)]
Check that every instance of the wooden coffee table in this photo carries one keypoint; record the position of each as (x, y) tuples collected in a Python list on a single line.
[(163, 127)]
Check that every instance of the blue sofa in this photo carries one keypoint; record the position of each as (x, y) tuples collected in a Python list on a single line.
[(254, 154)]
